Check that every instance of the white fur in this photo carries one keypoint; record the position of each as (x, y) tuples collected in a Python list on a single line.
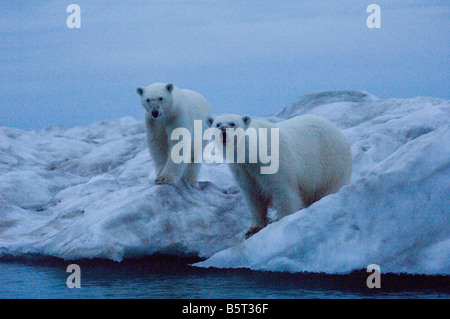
[(178, 108), (314, 161)]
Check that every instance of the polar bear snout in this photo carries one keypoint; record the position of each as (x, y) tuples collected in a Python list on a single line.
[(155, 114), (153, 106), (224, 137)]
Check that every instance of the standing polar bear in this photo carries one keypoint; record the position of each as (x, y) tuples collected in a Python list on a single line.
[(167, 108), (314, 161)]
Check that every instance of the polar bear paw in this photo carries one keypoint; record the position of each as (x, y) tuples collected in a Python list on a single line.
[(164, 180), (252, 230)]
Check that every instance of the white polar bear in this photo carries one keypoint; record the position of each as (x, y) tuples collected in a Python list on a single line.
[(314, 161), (167, 108)]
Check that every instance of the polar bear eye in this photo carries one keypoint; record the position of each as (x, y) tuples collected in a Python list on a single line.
[(160, 99), (232, 124)]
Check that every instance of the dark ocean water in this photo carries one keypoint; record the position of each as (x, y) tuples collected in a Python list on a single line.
[(171, 277)]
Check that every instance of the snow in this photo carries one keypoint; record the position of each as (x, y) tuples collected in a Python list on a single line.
[(88, 192)]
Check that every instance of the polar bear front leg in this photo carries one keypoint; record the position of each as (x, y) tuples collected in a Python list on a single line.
[(287, 201), (157, 145), (191, 173), (257, 202), (171, 173), (259, 215), (159, 156)]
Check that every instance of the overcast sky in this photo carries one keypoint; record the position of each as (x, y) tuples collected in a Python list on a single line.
[(251, 57)]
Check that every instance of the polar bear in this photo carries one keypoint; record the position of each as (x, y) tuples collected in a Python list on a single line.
[(167, 108), (314, 161)]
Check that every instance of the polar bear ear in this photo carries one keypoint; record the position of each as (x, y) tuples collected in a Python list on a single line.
[(247, 120), (140, 91), (169, 87), (209, 121)]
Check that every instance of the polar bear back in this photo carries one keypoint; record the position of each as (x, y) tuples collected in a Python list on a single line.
[(190, 104), (191, 98)]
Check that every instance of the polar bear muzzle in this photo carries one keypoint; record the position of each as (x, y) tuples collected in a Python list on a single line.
[(155, 114)]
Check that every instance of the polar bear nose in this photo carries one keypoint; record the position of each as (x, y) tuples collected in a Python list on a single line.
[(147, 100), (155, 114)]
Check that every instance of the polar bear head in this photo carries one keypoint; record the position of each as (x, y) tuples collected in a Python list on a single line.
[(156, 98), (229, 123)]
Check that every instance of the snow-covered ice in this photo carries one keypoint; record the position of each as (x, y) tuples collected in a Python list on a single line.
[(88, 192)]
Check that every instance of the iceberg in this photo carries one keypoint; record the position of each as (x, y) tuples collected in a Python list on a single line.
[(88, 192), (395, 211)]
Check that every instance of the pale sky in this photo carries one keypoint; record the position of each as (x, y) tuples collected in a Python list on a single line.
[(246, 57)]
